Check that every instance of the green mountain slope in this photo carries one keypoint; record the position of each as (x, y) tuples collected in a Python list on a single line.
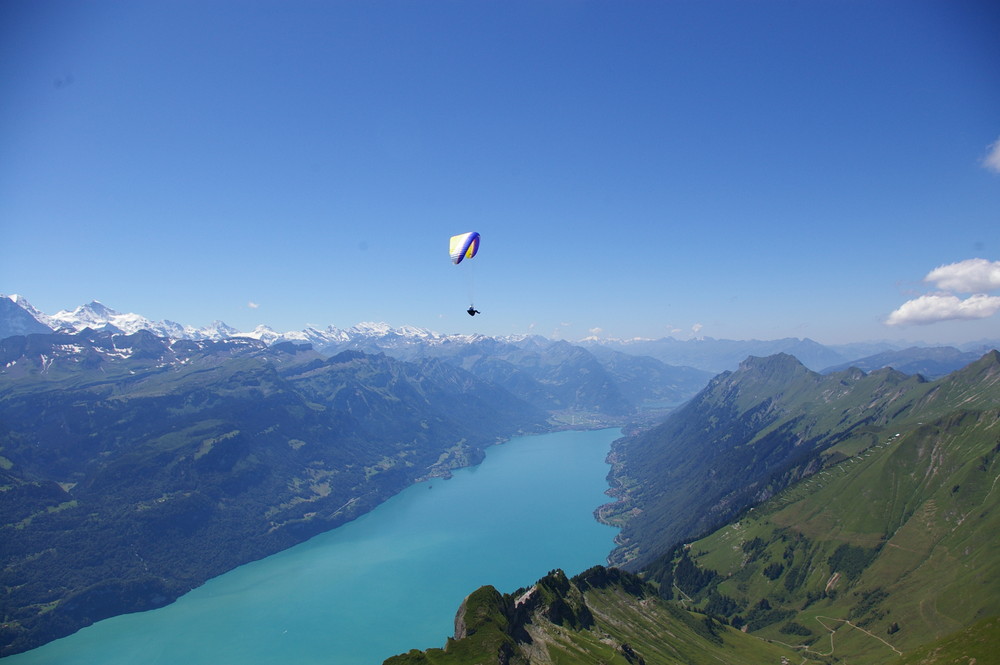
[(600, 616), (121, 456), (753, 432), (977, 645), (883, 551), (879, 554)]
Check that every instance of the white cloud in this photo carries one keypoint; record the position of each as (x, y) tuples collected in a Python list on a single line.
[(596, 331), (944, 307), (696, 328), (992, 159), (252, 305), (559, 331), (969, 276)]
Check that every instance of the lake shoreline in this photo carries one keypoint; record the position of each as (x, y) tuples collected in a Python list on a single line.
[(392, 542)]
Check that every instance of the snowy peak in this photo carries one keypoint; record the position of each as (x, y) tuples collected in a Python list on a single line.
[(21, 302), (18, 317), (96, 309), (218, 329), (263, 333), (99, 317), (370, 329)]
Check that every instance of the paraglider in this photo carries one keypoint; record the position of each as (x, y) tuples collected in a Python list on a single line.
[(465, 246)]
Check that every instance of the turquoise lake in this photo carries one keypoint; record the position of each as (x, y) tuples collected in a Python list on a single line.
[(387, 582)]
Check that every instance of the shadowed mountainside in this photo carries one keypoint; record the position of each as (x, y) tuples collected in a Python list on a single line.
[(120, 455)]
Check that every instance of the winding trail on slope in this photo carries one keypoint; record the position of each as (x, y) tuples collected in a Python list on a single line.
[(856, 627), (805, 648)]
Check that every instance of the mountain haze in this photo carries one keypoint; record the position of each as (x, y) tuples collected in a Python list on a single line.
[(929, 362), (719, 355)]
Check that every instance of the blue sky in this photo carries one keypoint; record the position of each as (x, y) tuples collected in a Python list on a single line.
[(749, 169)]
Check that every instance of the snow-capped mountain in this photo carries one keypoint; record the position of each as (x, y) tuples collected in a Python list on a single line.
[(23, 318), (555, 374), (98, 316), (19, 317), (365, 336)]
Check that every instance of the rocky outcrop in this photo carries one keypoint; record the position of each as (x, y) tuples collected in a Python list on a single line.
[(512, 628)]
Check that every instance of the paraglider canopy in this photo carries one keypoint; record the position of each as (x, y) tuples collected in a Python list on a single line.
[(464, 246)]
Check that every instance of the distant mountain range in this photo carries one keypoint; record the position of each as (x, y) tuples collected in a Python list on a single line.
[(710, 356), (930, 362)]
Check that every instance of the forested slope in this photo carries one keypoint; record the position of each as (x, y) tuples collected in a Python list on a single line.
[(133, 468)]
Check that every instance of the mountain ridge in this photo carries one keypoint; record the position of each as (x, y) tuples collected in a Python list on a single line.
[(601, 616), (891, 547), (752, 432), (556, 375), (705, 353)]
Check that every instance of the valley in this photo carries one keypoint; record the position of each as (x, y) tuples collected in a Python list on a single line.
[(839, 513), (873, 542)]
